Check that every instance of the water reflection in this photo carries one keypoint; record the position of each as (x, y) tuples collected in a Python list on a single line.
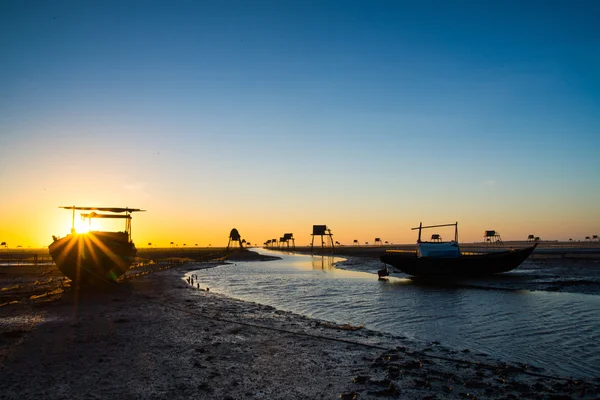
[(558, 331), (324, 263)]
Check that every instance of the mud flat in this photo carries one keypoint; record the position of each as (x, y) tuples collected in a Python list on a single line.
[(545, 250), (157, 336)]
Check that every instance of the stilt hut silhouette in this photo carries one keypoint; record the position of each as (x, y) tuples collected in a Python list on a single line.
[(531, 238), (286, 239), (321, 230), (356, 242), (234, 237), (436, 237), (492, 237), (378, 242)]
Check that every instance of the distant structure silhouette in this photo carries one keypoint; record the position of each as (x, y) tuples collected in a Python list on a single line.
[(356, 242), (323, 231), (595, 237), (588, 239), (378, 242), (492, 237), (531, 238), (436, 237), (234, 237), (286, 239)]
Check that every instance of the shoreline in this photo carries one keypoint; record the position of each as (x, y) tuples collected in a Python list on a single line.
[(581, 251), (157, 336)]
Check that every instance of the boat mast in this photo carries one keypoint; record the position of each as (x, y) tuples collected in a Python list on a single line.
[(456, 232), (73, 220), (128, 225)]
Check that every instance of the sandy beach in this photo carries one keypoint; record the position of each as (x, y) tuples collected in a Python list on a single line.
[(155, 335)]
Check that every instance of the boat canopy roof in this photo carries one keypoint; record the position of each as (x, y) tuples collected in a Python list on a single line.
[(105, 209), (439, 250), (96, 215), (432, 226)]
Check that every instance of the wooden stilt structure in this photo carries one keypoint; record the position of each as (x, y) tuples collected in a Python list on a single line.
[(322, 231), (234, 237)]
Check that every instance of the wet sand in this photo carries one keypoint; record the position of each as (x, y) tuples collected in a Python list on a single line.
[(156, 335)]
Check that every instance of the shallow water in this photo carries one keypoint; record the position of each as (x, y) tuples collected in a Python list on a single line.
[(557, 331)]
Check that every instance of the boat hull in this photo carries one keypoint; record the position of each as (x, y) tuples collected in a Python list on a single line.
[(94, 257), (464, 266)]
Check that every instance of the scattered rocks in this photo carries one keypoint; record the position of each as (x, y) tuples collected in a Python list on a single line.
[(390, 391), (473, 379), (361, 379)]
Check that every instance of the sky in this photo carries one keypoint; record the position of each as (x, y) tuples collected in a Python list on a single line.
[(272, 116)]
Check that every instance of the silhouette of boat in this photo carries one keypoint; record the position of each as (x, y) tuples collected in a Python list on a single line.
[(97, 256), (445, 260)]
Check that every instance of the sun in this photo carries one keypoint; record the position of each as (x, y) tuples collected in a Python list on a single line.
[(84, 226)]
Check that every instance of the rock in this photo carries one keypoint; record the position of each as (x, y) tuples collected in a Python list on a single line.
[(381, 382), (361, 379), (521, 387), (476, 384), (390, 391), (421, 383), (348, 396), (412, 364)]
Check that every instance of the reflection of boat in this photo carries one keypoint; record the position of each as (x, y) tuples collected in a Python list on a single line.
[(95, 256), (444, 259)]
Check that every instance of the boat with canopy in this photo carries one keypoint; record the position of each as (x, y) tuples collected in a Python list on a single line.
[(444, 259), (95, 257)]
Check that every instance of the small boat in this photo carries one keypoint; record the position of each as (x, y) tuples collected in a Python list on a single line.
[(445, 260), (95, 257)]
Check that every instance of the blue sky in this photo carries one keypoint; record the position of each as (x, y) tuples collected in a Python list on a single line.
[(371, 115)]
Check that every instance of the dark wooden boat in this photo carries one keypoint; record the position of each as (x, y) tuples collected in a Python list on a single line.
[(444, 259), (95, 257)]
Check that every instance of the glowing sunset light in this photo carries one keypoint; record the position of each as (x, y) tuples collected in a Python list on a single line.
[(84, 226), (378, 117)]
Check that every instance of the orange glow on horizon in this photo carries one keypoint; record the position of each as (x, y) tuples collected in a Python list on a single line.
[(29, 226)]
